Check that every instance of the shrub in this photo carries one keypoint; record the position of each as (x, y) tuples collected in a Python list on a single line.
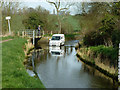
[(109, 52)]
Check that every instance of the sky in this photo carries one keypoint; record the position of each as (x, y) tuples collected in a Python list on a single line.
[(45, 5), (35, 4)]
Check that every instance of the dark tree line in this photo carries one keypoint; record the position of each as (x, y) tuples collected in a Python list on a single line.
[(100, 24)]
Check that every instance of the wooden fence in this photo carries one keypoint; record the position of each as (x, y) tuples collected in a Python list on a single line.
[(30, 33)]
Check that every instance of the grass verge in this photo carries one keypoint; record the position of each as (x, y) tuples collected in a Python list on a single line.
[(14, 74), (8, 37)]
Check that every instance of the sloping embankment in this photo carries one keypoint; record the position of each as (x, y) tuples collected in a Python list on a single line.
[(14, 74), (99, 58)]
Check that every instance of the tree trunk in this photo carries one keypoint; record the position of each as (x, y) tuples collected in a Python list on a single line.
[(59, 22)]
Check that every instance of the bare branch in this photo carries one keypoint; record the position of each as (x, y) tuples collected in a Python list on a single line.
[(58, 7), (68, 5), (64, 9), (53, 4), (59, 4)]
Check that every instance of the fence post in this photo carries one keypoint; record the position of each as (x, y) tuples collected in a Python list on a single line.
[(25, 34), (22, 33), (51, 32), (43, 33), (18, 33), (33, 37), (119, 64)]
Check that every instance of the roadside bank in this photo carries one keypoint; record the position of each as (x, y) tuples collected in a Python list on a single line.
[(14, 74), (100, 57)]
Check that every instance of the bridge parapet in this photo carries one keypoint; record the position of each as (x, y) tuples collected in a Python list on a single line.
[(29, 33)]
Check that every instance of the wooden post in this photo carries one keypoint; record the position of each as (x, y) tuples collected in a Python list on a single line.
[(43, 33), (25, 33), (33, 37), (51, 32), (119, 64), (22, 33), (18, 33)]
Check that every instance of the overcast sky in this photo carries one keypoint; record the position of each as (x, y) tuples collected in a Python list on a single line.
[(45, 5)]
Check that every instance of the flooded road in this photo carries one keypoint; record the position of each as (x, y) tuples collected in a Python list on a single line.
[(58, 67)]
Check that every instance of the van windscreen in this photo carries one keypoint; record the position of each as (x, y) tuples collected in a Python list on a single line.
[(55, 38)]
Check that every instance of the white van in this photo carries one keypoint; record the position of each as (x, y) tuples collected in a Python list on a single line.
[(57, 40)]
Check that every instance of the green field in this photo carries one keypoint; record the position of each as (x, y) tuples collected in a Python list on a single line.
[(14, 74), (73, 22)]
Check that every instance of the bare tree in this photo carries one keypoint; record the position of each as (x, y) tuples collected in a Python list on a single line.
[(59, 8), (82, 7), (9, 8)]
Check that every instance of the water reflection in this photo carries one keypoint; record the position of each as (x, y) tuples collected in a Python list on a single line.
[(58, 67), (56, 51)]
